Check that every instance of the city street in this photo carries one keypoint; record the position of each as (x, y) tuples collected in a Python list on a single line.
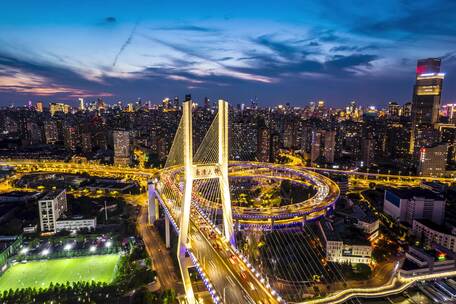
[(161, 259)]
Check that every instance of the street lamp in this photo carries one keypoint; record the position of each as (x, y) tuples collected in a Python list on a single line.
[(68, 246)]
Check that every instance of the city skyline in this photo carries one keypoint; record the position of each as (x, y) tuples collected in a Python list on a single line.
[(299, 53)]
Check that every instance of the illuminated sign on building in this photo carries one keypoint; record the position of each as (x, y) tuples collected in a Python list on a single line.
[(428, 90)]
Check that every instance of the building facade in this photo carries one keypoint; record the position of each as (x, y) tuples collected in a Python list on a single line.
[(122, 148), (50, 208), (426, 102), (406, 205), (437, 234), (433, 160), (76, 224), (344, 249)]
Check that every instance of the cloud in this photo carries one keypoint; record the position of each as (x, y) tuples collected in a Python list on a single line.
[(15, 80), (42, 79), (283, 49), (328, 35), (412, 19), (184, 78), (110, 20), (347, 48), (186, 28)]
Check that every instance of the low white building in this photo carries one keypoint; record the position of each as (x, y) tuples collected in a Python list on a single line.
[(362, 219), (76, 224), (52, 218), (343, 248), (437, 234)]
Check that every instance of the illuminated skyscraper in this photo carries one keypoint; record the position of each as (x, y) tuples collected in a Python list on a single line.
[(59, 107), (264, 144), (81, 104), (39, 106), (426, 102), (393, 109), (122, 148)]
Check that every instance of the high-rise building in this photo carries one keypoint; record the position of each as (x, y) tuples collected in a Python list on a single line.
[(426, 101), (86, 142), (243, 139), (397, 140), (264, 144), (122, 148), (50, 208), (207, 102), (34, 133), (393, 109), (289, 135), (81, 104), (323, 146), (39, 106), (406, 110), (166, 103), (449, 111), (51, 133), (59, 107), (433, 160), (176, 102), (448, 135), (71, 137), (367, 151)]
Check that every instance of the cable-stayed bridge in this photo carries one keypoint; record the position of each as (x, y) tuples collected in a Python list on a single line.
[(194, 191)]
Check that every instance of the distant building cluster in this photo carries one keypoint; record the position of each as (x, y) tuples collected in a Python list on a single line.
[(415, 138)]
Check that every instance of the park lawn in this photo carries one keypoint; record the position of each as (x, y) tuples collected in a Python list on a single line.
[(99, 268)]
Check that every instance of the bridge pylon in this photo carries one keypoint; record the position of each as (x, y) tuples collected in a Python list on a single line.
[(194, 171)]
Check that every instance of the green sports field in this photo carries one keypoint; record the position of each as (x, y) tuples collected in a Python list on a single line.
[(99, 268)]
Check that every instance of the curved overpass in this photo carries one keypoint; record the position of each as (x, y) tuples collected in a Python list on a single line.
[(318, 205)]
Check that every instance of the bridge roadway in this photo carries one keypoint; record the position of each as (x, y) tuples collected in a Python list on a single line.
[(233, 278), (108, 170)]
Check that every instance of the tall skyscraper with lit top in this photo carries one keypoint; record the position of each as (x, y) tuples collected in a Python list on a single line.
[(426, 103)]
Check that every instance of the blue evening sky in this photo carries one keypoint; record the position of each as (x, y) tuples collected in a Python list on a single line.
[(275, 51)]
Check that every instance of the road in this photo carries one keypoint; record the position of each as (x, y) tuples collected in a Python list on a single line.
[(298, 162), (156, 249), (225, 282), (227, 273), (223, 267)]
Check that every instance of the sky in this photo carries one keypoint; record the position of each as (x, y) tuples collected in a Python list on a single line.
[(293, 51)]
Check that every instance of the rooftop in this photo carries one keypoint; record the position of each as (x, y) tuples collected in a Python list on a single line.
[(434, 226), (340, 231), (408, 193), (51, 195)]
